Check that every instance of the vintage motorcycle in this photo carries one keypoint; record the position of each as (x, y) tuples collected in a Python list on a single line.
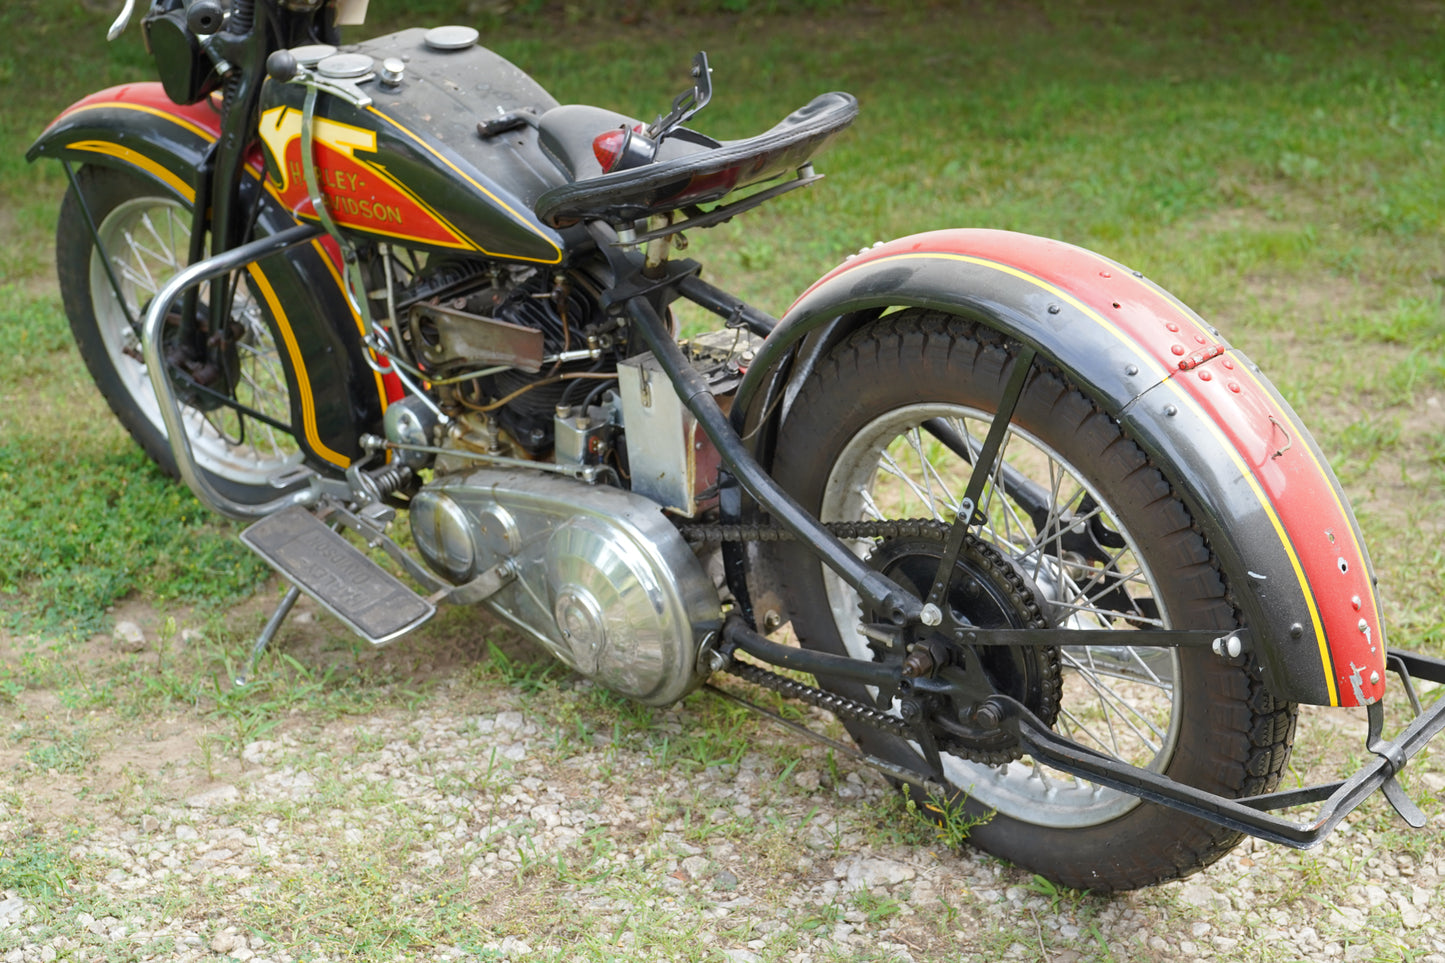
[(1057, 556)]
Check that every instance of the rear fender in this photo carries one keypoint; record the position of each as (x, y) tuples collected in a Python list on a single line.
[(1270, 507), (136, 127)]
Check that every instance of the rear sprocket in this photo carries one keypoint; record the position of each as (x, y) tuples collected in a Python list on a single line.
[(986, 592)]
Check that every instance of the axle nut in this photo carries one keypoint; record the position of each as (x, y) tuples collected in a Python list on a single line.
[(988, 716)]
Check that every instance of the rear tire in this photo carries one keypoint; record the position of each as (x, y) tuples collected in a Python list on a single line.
[(853, 447), (145, 232)]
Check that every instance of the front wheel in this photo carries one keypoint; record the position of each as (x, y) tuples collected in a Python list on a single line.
[(141, 239), (1082, 532)]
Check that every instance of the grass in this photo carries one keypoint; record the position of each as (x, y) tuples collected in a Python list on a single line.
[(1278, 169), (1276, 173), (37, 866)]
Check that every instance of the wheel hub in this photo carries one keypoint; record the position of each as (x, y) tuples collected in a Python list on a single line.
[(985, 592)]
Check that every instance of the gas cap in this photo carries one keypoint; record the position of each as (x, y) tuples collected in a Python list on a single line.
[(345, 66), (451, 37), (312, 54)]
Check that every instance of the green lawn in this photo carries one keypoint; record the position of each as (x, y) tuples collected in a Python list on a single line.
[(1279, 170)]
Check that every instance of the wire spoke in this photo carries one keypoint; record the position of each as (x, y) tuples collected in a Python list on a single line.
[(870, 507), (889, 466), (146, 240), (169, 258), (140, 279), (1124, 709)]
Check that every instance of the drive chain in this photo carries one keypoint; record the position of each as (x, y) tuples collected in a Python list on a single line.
[(847, 710), (850, 710), (894, 528)]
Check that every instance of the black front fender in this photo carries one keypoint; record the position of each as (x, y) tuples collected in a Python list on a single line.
[(336, 395)]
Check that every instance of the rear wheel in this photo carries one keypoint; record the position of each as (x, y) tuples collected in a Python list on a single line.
[(144, 234), (1092, 535)]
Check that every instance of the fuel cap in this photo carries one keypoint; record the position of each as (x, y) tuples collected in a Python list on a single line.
[(451, 37), (345, 66), (312, 54)]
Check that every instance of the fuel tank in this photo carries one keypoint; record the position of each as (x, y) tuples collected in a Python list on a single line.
[(411, 167)]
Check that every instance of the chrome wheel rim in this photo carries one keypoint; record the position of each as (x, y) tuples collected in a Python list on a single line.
[(1116, 699), (146, 240)]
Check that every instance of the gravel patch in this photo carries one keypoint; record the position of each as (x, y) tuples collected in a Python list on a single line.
[(481, 824)]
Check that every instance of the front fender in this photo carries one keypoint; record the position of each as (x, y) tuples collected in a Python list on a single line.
[(337, 395), (1273, 512)]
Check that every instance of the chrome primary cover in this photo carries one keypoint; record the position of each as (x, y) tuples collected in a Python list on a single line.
[(602, 578)]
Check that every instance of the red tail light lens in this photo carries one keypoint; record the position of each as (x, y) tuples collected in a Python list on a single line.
[(607, 148), (623, 149)]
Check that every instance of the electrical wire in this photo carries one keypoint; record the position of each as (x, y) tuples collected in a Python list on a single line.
[(508, 399)]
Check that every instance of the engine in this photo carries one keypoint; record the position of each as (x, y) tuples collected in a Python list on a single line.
[(527, 364), (510, 344)]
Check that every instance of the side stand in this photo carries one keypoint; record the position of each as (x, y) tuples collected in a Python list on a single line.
[(273, 625)]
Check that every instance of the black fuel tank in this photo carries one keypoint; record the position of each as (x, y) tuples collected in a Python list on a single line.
[(411, 167)]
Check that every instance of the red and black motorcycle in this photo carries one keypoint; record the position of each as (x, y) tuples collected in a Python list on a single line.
[(1057, 554)]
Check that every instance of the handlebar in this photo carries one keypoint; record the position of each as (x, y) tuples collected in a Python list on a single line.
[(118, 27), (202, 17)]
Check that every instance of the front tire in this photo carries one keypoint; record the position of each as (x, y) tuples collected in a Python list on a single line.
[(1098, 531), (144, 233)]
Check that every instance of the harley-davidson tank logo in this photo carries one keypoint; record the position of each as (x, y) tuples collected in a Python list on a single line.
[(358, 193)]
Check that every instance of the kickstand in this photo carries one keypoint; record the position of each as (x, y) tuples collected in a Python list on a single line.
[(273, 625)]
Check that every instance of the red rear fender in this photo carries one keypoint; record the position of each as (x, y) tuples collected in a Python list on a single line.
[(1273, 512)]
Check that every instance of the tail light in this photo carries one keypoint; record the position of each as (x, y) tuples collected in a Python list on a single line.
[(623, 148)]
